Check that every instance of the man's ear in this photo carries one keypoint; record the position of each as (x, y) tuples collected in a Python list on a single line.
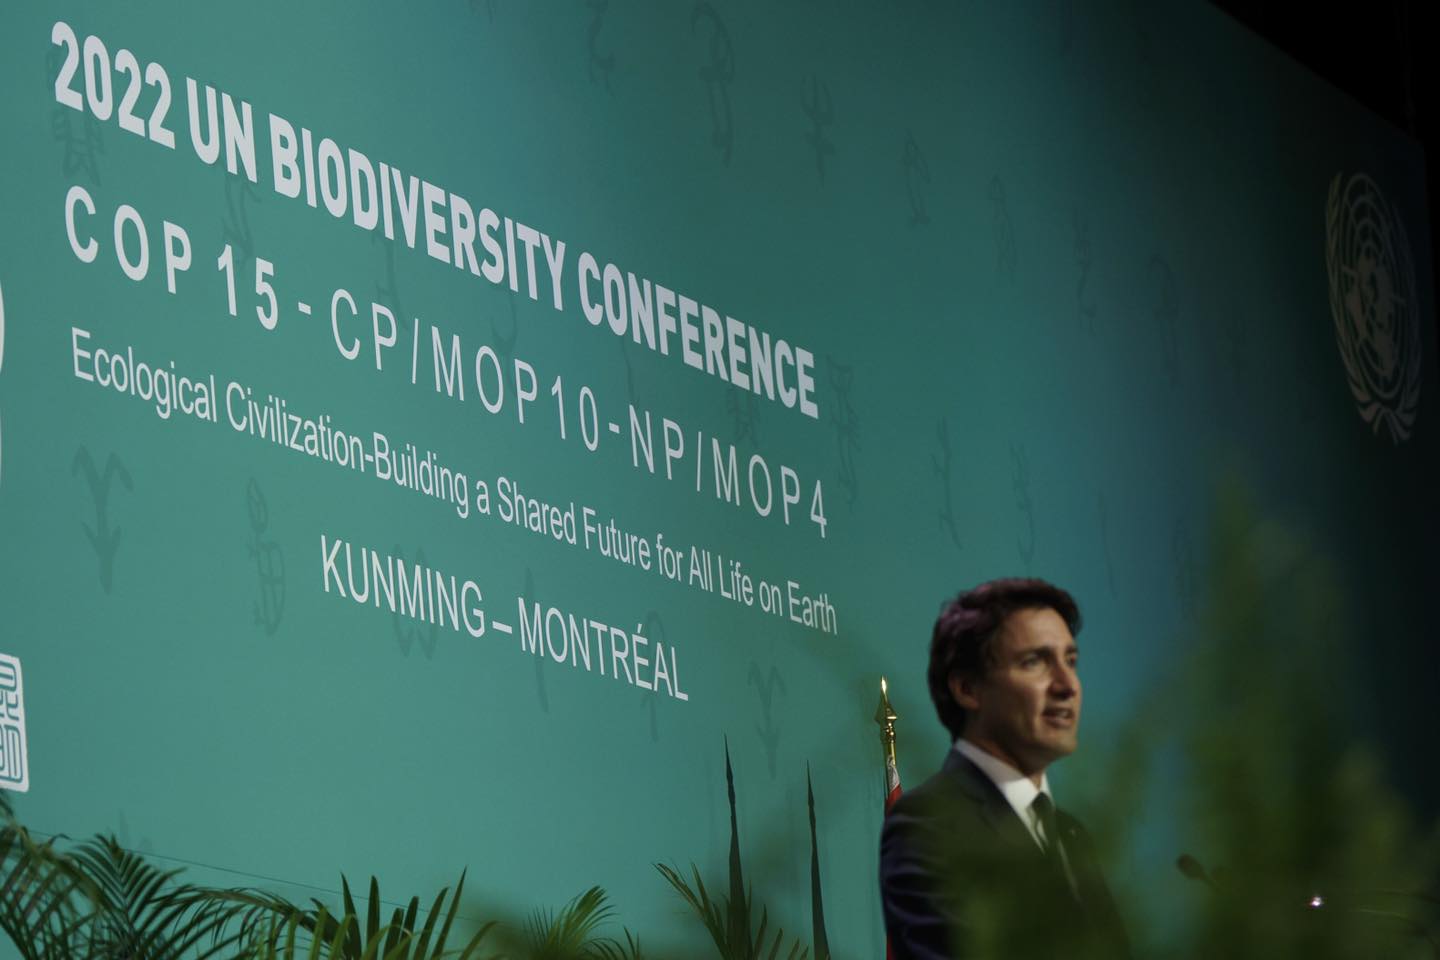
[(965, 691)]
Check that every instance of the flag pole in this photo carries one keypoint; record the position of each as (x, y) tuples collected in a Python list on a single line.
[(885, 716)]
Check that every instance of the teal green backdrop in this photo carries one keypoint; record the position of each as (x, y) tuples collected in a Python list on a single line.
[(1060, 267)]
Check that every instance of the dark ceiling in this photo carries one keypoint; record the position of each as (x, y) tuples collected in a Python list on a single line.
[(1381, 53), (1374, 53)]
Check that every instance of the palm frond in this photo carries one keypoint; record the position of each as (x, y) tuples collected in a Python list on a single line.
[(239, 920), (608, 948), (104, 901), (563, 934), (143, 911), (571, 933), (45, 901), (711, 913), (398, 939), (295, 937), (728, 922)]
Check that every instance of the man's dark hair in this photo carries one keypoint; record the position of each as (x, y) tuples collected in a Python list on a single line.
[(965, 631)]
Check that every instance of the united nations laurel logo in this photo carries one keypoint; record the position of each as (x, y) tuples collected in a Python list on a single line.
[(1372, 297)]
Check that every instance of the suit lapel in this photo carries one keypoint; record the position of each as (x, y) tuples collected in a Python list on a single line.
[(1091, 891), (994, 809), (1088, 908), (996, 812)]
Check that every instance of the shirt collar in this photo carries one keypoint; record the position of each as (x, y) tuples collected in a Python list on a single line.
[(1019, 790)]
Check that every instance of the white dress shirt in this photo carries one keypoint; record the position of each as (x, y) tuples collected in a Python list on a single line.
[(1018, 790)]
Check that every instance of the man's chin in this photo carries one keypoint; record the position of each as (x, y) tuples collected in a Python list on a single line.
[(1059, 747)]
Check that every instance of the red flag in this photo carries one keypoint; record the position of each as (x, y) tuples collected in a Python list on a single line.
[(892, 793), (885, 716), (892, 783)]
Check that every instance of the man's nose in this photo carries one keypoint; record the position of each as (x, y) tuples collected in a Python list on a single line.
[(1064, 681)]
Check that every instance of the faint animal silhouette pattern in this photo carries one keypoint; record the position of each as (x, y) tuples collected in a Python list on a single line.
[(1083, 259), (540, 692), (269, 562), (387, 292), (1165, 312), (942, 462), (821, 110), (1020, 481), (765, 684), (1004, 230), (654, 630), (744, 410), (122, 834), (847, 426), (503, 342), (409, 632), (632, 385), (1105, 546), (104, 538), (917, 178), (601, 65), (718, 74), (77, 130), (235, 226)]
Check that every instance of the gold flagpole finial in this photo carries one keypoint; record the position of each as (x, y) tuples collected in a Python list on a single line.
[(885, 716)]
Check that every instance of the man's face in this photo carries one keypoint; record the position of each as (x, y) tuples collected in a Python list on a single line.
[(1025, 709)]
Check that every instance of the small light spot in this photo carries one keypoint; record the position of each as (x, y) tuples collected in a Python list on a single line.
[(1316, 902)]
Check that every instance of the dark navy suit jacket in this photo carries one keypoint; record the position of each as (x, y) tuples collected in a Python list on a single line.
[(961, 877)]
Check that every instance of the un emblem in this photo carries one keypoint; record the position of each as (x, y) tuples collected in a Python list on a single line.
[(1372, 298)]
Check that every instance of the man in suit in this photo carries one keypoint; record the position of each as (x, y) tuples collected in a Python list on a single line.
[(978, 861)]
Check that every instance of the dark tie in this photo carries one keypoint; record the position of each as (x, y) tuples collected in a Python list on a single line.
[(1045, 811)]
